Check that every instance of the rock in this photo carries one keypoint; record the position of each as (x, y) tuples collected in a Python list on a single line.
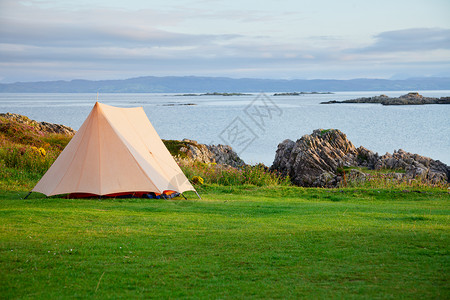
[(353, 175), (412, 98), (313, 160), (282, 162), (366, 158), (41, 126), (220, 154), (415, 166), (317, 160), (224, 155)]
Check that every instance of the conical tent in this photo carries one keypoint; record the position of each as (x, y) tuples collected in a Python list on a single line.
[(116, 150)]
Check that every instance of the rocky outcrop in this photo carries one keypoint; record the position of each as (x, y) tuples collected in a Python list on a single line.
[(220, 154), (413, 98), (41, 126), (314, 159), (317, 160), (414, 165)]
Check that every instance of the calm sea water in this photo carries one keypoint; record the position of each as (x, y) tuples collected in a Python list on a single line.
[(254, 125)]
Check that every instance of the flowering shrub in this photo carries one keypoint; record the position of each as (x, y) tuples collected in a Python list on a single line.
[(20, 133), (386, 179), (27, 158), (225, 175), (17, 133), (197, 180), (40, 151), (27, 149)]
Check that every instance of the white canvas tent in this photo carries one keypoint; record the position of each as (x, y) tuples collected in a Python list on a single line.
[(116, 150)]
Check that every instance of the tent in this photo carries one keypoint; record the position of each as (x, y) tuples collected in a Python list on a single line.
[(116, 151)]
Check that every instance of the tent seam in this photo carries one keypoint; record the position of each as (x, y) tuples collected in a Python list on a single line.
[(132, 155), (99, 154), (157, 159)]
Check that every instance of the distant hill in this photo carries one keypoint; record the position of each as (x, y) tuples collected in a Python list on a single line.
[(194, 84)]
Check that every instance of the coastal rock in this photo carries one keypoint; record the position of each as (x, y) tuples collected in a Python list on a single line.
[(282, 162), (313, 160), (317, 160), (353, 175), (412, 98), (415, 166), (366, 158), (220, 154), (41, 126)]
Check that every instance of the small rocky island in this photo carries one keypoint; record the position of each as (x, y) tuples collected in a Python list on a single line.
[(302, 93), (215, 94), (413, 98), (178, 104)]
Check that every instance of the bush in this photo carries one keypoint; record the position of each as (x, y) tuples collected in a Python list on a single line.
[(197, 180), (26, 149), (388, 179), (212, 173), (28, 158)]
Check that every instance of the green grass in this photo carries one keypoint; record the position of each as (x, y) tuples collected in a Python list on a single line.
[(370, 171), (174, 147), (13, 180), (213, 173), (238, 242)]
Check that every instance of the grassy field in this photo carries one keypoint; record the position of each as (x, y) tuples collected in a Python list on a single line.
[(238, 242)]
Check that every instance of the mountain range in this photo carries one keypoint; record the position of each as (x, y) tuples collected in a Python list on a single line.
[(195, 84)]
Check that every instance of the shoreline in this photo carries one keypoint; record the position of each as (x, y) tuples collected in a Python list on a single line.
[(318, 159)]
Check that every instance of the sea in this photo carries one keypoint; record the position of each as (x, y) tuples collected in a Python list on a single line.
[(254, 124)]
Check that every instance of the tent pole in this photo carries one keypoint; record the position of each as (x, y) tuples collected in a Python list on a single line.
[(183, 196), (198, 195), (27, 195)]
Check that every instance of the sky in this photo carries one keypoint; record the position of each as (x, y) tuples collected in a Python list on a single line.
[(43, 40)]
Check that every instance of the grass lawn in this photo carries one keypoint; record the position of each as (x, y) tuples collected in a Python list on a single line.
[(237, 242)]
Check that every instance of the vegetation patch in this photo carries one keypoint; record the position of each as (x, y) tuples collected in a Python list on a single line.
[(175, 146), (213, 173), (323, 131)]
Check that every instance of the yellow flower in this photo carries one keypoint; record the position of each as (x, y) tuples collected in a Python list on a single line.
[(42, 151), (197, 180)]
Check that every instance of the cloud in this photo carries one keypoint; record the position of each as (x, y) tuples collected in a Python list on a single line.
[(99, 43), (409, 40), (108, 27)]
